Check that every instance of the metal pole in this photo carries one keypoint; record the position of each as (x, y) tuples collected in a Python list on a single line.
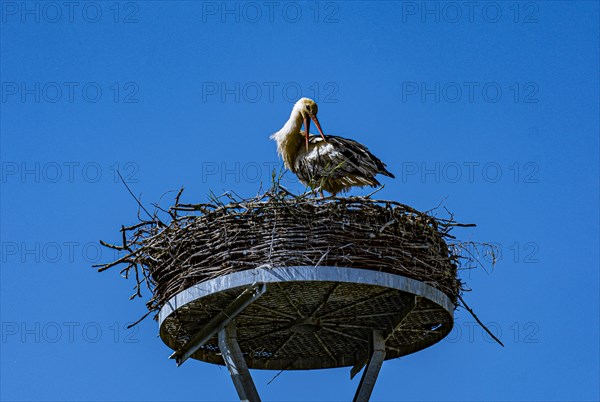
[(367, 381), (219, 322), (238, 369), (363, 359)]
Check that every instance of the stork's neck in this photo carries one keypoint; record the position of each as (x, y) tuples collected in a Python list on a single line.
[(288, 138), (291, 128)]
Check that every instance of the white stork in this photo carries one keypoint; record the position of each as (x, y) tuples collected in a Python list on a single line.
[(327, 162)]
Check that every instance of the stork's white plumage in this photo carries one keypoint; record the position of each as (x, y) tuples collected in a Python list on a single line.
[(327, 162)]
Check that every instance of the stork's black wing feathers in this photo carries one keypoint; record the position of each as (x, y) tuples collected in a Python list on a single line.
[(356, 153), (338, 163)]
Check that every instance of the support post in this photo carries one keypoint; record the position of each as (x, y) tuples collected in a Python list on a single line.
[(369, 377), (238, 369), (362, 360), (219, 322)]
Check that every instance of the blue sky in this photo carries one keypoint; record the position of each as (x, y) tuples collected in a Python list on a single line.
[(489, 106)]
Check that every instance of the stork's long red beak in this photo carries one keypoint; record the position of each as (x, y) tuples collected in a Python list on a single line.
[(307, 127), (314, 118)]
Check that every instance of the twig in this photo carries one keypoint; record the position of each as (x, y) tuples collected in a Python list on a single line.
[(376, 191), (479, 321), (140, 320), (154, 218), (280, 371)]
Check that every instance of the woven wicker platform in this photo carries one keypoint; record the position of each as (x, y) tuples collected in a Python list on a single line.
[(312, 317)]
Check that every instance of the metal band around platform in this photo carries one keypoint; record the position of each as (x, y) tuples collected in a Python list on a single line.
[(304, 274)]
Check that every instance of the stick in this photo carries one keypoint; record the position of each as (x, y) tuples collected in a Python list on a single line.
[(154, 218), (478, 320)]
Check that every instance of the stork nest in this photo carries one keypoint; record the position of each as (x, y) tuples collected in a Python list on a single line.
[(279, 229)]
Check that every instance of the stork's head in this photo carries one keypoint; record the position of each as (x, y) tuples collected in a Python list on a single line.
[(307, 106), (308, 109)]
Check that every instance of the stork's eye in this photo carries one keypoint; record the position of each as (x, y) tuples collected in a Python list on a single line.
[(307, 107)]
